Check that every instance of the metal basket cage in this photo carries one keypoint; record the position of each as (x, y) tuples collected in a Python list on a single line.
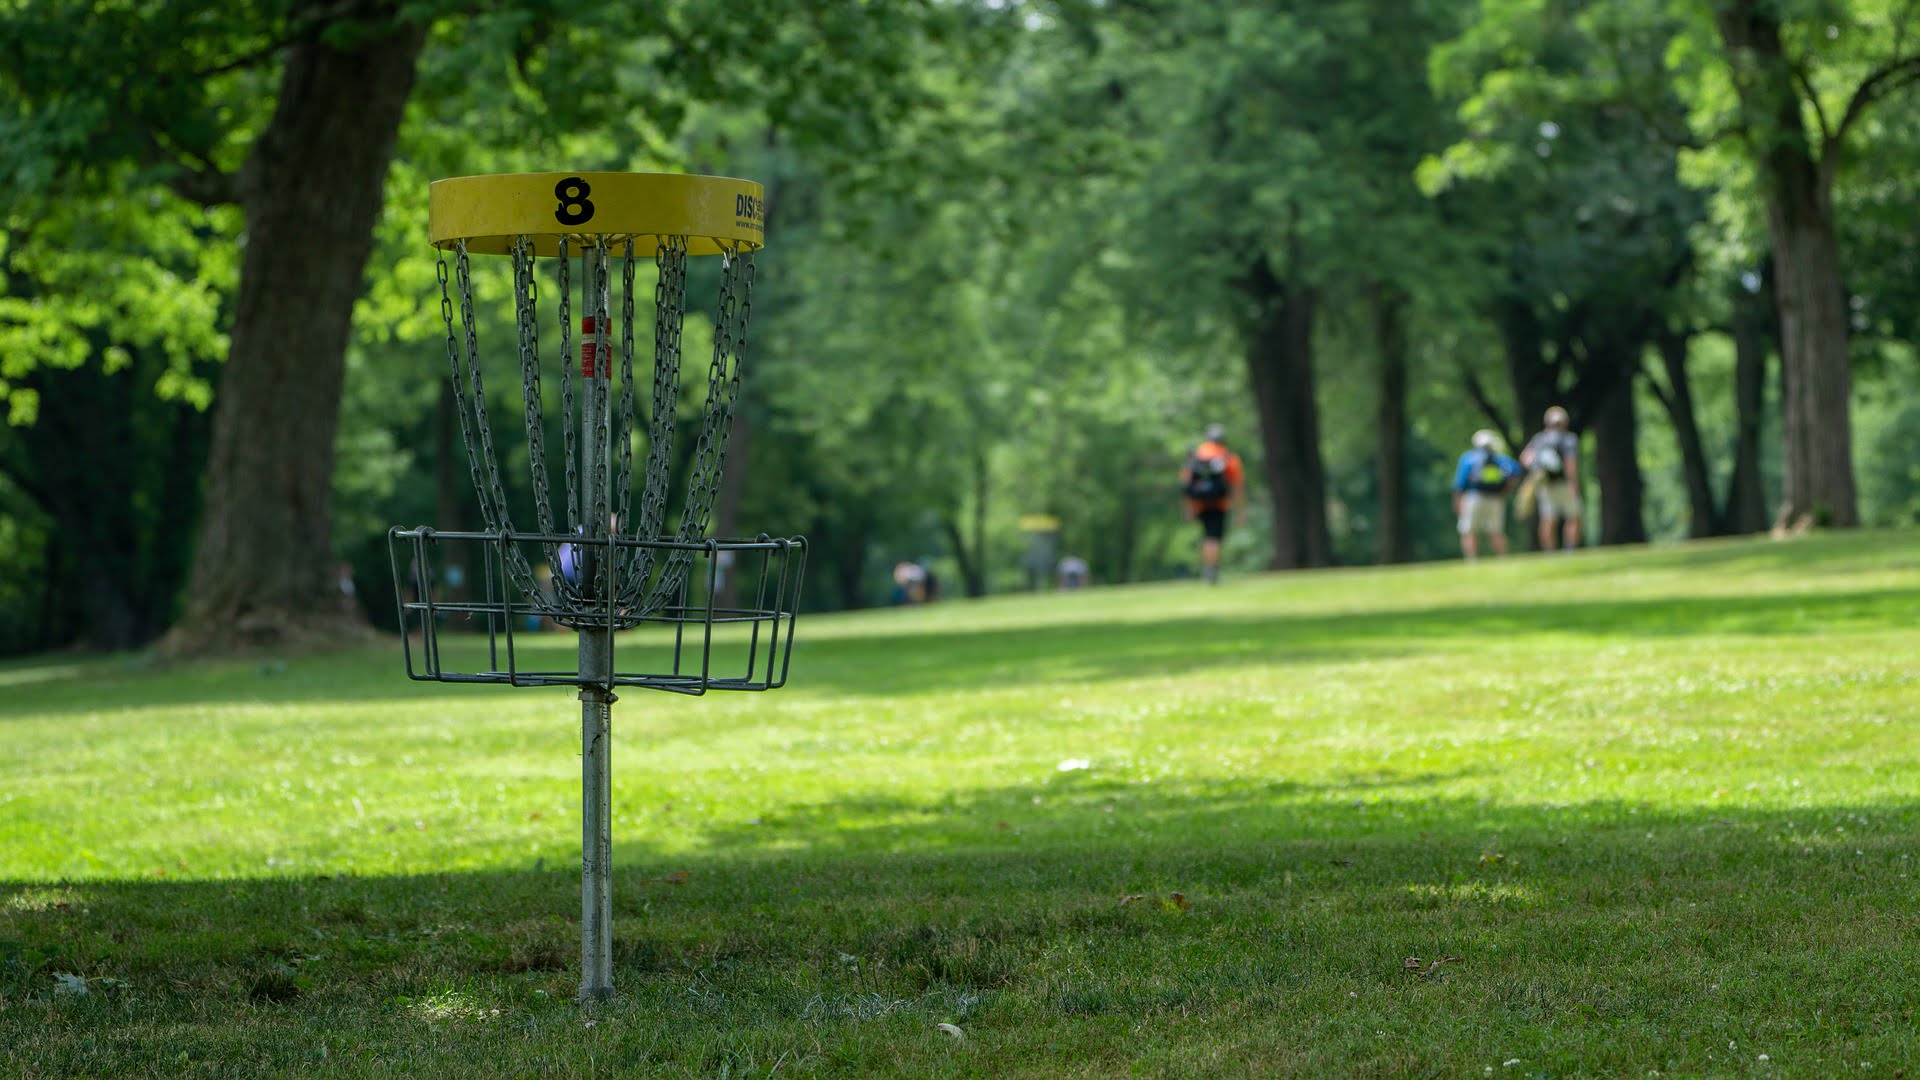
[(720, 617)]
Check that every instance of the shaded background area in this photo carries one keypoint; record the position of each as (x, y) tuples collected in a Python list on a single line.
[(1022, 253)]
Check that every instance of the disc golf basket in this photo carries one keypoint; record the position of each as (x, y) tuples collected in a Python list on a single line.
[(622, 562)]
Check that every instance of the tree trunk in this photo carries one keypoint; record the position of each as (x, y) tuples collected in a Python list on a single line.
[(1816, 379), (1746, 509), (846, 557), (311, 194), (1535, 381), (1279, 354), (972, 574), (1395, 540), (1616, 465), (1703, 518)]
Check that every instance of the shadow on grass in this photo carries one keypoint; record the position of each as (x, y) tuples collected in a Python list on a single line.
[(1185, 915), (1348, 868)]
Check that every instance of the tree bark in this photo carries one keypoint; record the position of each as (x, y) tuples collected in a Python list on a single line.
[(1677, 397), (1535, 381), (1816, 379), (311, 194), (1616, 464), (1746, 506), (1395, 539), (969, 567), (1279, 354)]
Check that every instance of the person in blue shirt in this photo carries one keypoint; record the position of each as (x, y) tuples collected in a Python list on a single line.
[(1480, 485)]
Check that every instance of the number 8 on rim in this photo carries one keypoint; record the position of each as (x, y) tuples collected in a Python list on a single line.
[(714, 213)]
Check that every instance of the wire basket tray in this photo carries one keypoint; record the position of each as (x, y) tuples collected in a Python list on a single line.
[(719, 614)]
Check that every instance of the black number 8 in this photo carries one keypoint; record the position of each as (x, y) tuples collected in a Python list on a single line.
[(575, 208)]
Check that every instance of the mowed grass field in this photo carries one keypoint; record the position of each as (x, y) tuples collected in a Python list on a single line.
[(1653, 811)]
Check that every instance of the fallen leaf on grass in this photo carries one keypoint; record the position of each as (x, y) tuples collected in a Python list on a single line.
[(1177, 902), (1413, 965), (678, 877), (951, 1029), (1491, 856), (1131, 897)]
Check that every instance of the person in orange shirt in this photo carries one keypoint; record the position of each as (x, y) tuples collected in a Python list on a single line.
[(1213, 483)]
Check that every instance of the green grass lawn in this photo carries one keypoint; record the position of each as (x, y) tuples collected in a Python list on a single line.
[(1663, 806)]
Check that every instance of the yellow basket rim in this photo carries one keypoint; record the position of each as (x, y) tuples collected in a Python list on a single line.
[(491, 212)]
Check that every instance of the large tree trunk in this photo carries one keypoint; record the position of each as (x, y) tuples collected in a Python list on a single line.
[(1677, 397), (311, 194), (1395, 540), (1616, 465), (1817, 427), (1816, 380), (1279, 354), (1746, 509)]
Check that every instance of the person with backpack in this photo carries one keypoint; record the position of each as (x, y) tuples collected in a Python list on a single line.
[(1552, 458), (1213, 483), (1480, 485)]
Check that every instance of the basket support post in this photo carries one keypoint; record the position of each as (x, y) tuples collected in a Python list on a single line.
[(596, 565), (596, 843)]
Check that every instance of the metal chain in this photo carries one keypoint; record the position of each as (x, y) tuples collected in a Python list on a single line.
[(669, 302), (526, 302), (574, 520), (494, 509), (599, 512), (623, 485), (723, 394), (459, 389)]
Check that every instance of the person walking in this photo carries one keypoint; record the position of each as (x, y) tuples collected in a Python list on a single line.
[(1552, 461), (1480, 485), (1214, 483)]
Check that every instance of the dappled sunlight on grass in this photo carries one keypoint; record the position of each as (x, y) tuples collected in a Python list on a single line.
[(449, 1005), (1477, 893), (42, 899)]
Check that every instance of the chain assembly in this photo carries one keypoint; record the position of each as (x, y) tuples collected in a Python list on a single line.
[(642, 581)]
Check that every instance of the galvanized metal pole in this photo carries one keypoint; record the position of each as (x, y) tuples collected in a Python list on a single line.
[(596, 648)]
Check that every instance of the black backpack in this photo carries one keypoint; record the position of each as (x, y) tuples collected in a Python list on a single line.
[(1206, 478), (1551, 462)]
